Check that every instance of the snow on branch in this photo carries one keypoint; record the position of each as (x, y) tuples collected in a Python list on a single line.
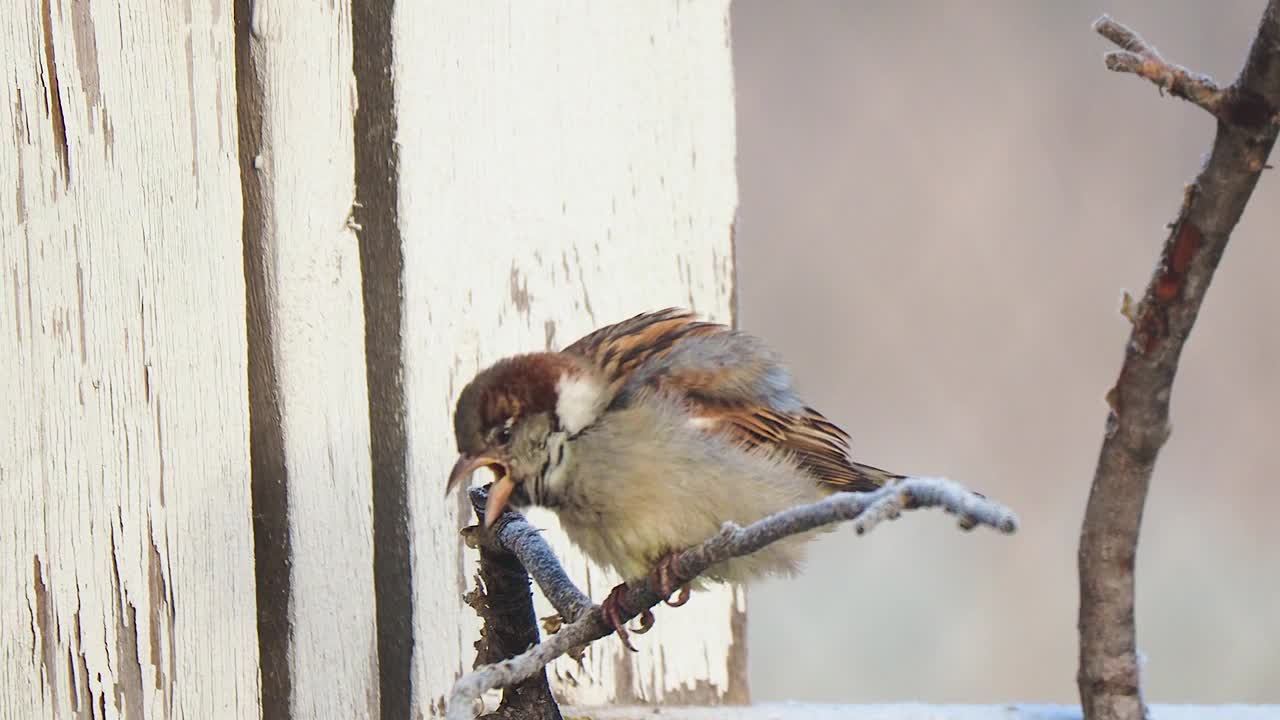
[(866, 510)]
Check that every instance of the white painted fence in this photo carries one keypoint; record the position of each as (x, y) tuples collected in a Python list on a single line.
[(250, 253)]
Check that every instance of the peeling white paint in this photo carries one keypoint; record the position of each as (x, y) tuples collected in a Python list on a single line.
[(126, 580), (559, 171), (316, 311)]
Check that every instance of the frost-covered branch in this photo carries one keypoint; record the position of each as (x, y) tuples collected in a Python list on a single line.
[(1138, 424), (1145, 61), (866, 510), (514, 533)]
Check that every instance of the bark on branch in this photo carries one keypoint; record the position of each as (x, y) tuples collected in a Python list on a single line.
[(866, 510), (502, 599), (1138, 423), (514, 533)]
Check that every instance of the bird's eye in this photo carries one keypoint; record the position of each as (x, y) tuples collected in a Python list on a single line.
[(504, 434)]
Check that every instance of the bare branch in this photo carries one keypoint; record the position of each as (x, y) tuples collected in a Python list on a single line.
[(502, 599), (523, 540), (866, 509), (1143, 60), (1138, 424)]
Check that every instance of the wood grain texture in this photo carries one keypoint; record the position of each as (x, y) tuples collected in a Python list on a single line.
[(559, 171), (126, 573), (296, 105)]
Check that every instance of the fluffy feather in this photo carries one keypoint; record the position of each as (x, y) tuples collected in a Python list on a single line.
[(580, 398), (647, 435), (732, 383), (653, 486)]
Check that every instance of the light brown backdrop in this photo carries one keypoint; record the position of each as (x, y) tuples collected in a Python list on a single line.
[(940, 204)]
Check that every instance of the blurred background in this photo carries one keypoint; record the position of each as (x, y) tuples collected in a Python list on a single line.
[(940, 205)]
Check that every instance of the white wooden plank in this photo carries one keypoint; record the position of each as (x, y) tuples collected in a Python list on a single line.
[(563, 165), (297, 102), (126, 581)]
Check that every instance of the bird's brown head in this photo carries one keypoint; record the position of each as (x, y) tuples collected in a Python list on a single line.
[(503, 420)]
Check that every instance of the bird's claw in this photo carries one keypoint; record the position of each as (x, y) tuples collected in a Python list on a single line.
[(646, 623), (613, 613), (666, 583)]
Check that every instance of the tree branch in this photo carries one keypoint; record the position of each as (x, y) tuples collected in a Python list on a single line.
[(1138, 423), (503, 601), (866, 510), (1142, 60), (514, 533)]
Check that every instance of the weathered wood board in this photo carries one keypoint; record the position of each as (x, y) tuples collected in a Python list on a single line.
[(558, 171), (249, 258), (309, 404), (126, 581)]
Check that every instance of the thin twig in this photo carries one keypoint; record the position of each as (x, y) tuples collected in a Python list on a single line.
[(1138, 424), (1143, 60), (867, 509)]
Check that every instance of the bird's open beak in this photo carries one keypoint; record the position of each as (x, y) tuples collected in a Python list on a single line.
[(499, 492), (466, 465)]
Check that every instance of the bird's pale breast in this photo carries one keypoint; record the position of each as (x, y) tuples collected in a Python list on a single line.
[(644, 481)]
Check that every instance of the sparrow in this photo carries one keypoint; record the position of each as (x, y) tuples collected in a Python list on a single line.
[(645, 436)]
